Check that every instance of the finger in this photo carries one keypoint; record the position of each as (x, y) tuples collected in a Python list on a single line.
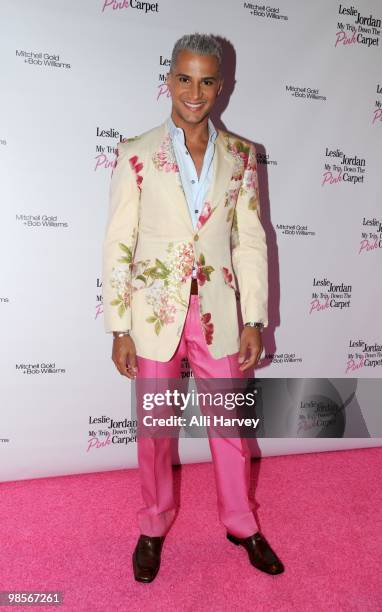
[(249, 363), (132, 367), (254, 353), (132, 360), (242, 351), (121, 366), (120, 361), (260, 355)]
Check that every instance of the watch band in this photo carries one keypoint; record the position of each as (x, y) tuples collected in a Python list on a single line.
[(257, 324), (121, 334)]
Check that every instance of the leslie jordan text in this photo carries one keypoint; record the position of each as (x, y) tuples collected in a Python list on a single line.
[(200, 421)]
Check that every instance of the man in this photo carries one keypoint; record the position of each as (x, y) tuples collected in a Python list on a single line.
[(184, 220)]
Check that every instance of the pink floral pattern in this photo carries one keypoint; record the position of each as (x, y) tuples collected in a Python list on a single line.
[(228, 277), (231, 196), (230, 201), (240, 152), (123, 140), (205, 214), (137, 166), (208, 327), (164, 311), (164, 159), (121, 283), (250, 174), (245, 170), (203, 271), (165, 280)]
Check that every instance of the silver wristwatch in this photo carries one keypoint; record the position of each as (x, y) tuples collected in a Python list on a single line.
[(257, 324), (121, 334)]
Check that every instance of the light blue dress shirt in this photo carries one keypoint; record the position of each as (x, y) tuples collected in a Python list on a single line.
[(195, 188)]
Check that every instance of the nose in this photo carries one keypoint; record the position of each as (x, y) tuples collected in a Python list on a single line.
[(195, 91)]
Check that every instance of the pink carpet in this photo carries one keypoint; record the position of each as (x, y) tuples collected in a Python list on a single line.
[(320, 512)]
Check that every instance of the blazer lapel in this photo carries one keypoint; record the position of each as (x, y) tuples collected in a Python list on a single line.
[(222, 173), (165, 161)]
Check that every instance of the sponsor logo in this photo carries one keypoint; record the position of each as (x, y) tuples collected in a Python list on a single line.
[(327, 295), (371, 235), (263, 158), (357, 29), (105, 157), (39, 368), (117, 5), (294, 230), (51, 221), (305, 92), (340, 167), (377, 111), (162, 91), (107, 431), (39, 58), (264, 10), (99, 300), (317, 416), (363, 354), (278, 358)]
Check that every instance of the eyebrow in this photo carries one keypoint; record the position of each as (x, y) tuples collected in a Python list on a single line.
[(209, 78)]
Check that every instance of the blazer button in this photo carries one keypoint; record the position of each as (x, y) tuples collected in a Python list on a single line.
[(196, 237)]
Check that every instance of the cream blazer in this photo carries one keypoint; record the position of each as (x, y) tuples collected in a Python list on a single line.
[(150, 246)]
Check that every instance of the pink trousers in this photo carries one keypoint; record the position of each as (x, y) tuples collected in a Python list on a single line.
[(231, 456)]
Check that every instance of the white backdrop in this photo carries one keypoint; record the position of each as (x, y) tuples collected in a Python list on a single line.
[(78, 76)]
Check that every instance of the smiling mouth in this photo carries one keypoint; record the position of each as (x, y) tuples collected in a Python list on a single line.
[(193, 106)]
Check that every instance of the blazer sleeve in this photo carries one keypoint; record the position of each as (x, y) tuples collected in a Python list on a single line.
[(249, 249), (119, 243)]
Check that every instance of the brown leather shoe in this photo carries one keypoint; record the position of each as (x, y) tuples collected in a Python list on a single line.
[(259, 552), (146, 557)]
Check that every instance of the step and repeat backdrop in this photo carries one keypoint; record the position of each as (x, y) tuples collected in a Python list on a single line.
[(303, 81)]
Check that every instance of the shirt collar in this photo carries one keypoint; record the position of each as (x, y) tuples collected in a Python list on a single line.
[(177, 132)]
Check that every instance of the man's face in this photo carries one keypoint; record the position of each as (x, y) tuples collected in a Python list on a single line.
[(194, 83)]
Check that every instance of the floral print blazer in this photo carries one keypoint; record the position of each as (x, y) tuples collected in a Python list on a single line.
[(150, 246)]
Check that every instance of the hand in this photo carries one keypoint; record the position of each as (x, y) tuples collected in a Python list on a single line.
[(250, 341), (124, 356)]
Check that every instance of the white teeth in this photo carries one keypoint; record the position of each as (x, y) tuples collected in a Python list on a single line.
[(193, 105)]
